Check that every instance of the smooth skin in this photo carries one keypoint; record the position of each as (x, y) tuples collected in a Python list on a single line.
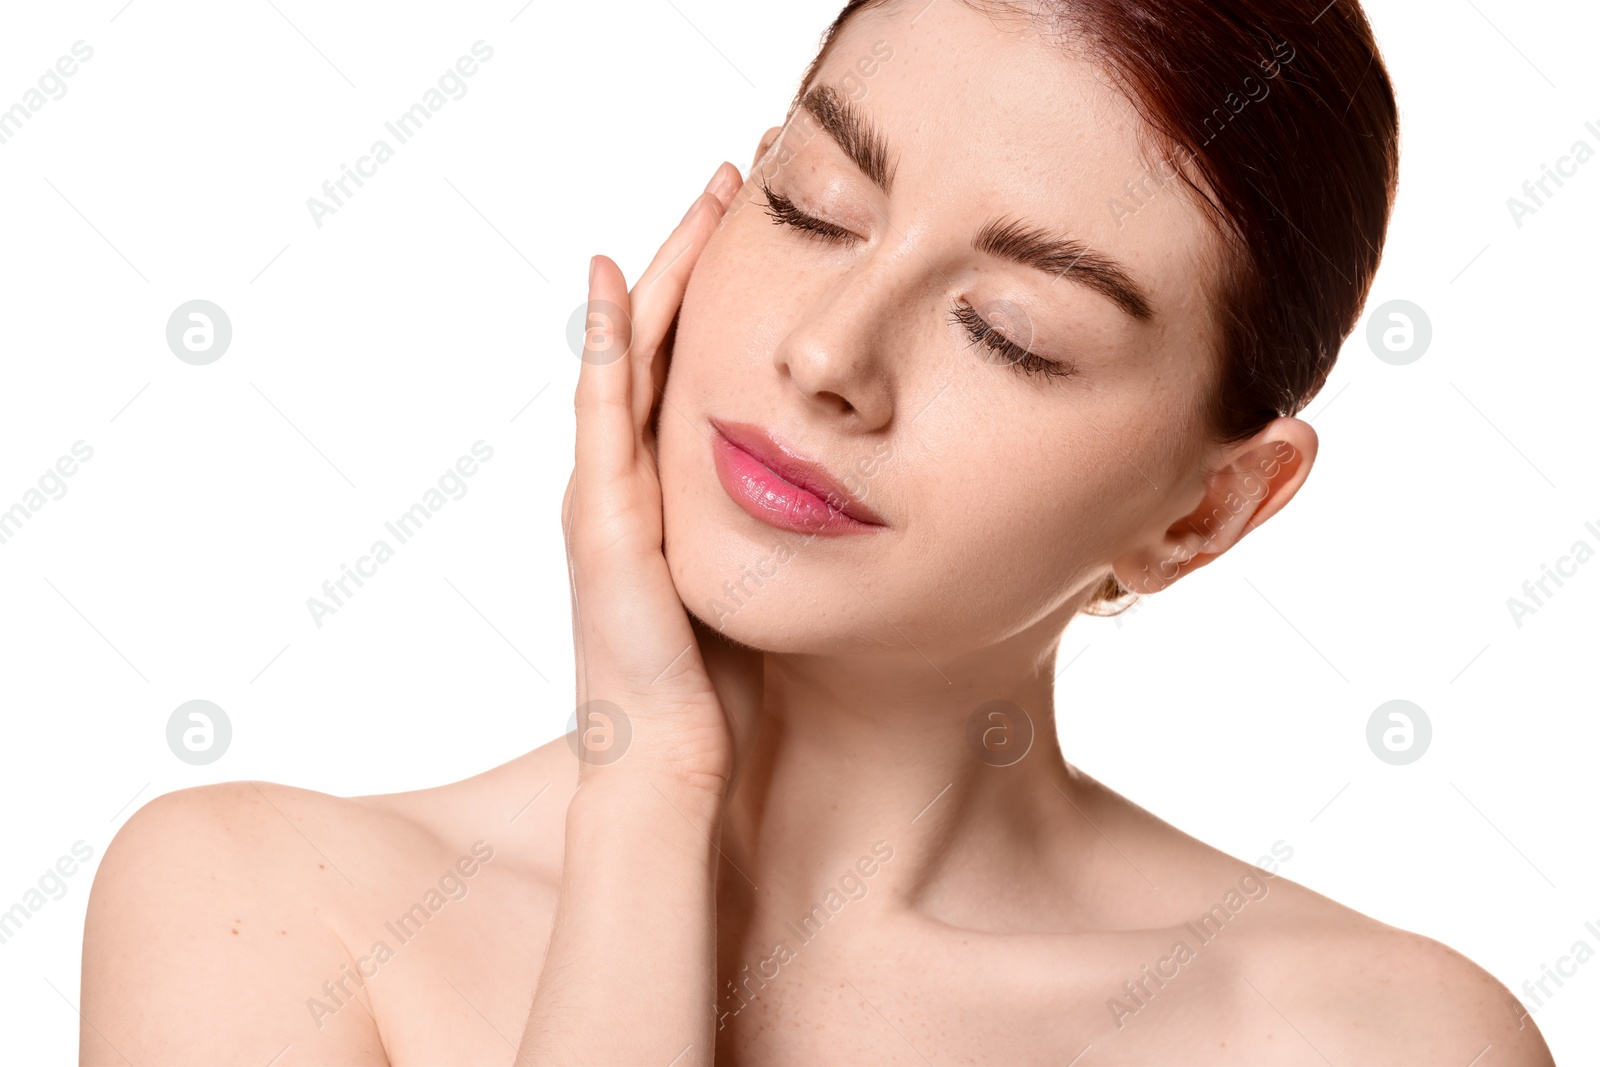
[(802, 750)]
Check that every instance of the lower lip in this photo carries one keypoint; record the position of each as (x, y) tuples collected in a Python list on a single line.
[(774, 500)]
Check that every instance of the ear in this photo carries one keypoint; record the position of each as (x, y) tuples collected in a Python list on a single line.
[(765, 146), (1253, 482)]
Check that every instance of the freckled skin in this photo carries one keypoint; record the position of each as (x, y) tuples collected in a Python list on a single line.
[(1019, 904)]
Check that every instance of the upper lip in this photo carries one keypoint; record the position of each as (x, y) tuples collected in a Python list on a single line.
[(792, 467)]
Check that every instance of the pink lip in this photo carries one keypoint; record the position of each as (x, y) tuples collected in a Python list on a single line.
[(782, 488)]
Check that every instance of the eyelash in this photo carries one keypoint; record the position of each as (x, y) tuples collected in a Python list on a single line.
[(1014, 354), (784, 213)]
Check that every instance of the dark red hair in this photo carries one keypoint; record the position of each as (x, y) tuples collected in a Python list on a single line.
[(1299, 181)]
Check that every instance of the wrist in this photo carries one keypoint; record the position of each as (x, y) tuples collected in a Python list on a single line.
[(652, 801)]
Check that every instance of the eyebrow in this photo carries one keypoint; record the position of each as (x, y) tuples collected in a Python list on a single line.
[(853, 133), (1063, 257)]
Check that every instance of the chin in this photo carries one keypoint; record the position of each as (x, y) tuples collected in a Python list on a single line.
[(763, 587), (746, 587)]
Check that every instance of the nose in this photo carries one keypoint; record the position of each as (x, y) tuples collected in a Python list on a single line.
[(838, 352)]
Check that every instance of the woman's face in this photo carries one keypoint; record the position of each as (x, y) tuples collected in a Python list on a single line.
[(1004, 491)]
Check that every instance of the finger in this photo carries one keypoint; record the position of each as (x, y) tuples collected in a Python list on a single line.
[(566, 506), (606, 431), (688, 237), (659, 292), (684, 243), (658, 382)]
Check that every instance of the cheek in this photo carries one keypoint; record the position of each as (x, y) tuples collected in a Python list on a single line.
[(721, 345), (743, 261), (1010, 531), (727, 326), (722, 342)]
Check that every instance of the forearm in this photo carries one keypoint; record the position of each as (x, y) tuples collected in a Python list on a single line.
[(630, 972), (630, 969)]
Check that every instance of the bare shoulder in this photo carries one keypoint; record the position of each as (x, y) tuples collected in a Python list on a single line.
[(214, 913), (237, 923), (1361, 991), (1306, 975)]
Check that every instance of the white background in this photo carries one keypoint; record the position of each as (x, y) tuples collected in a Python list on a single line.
[(431, 312)]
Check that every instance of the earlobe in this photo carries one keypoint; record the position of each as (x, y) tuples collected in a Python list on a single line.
[(1253, 482)]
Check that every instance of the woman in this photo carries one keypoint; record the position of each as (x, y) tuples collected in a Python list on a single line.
[(1009, 321)]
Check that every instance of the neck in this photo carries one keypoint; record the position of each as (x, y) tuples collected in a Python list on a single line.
[(952, 769)]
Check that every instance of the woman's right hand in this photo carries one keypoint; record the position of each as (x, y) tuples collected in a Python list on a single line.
[(647, 706), (633, 939)]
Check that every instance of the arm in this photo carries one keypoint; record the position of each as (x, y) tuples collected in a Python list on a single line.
[(630, 971), (203, 941)]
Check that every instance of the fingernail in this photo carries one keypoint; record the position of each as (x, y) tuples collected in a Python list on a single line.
[(716, 179), (593, 260)]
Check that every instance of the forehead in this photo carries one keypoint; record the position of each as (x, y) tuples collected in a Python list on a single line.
[(988, 113)]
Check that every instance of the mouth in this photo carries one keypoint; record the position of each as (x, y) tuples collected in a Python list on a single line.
[(780, 487)]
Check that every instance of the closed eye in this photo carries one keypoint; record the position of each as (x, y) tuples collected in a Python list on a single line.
[(1003, 350), (784, 213)]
